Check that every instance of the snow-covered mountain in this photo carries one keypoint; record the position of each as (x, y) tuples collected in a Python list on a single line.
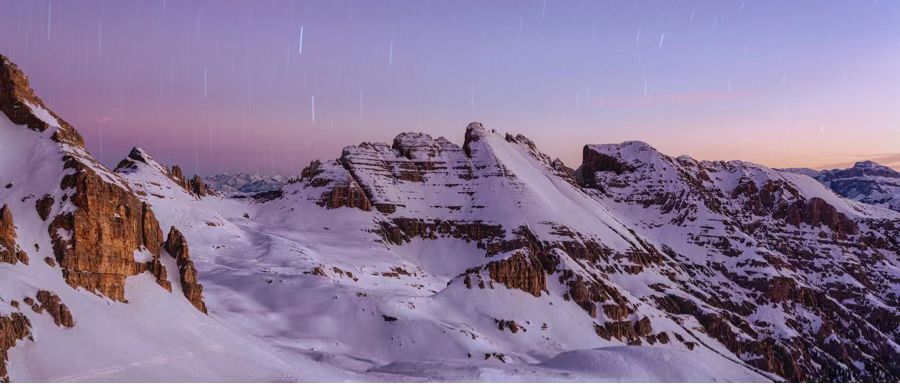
[(244, 184), (91, 288), (427, 260), (866, 181)]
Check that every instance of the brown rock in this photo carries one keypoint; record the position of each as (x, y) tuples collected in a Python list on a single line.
[(508, 324), (194, 185), (151, 234), (341, 193), (178, 176), (198, 186), (159, 271), (616, 311), (10, 252), (663, 337), (815, 212), (44, 205), (349, 195), (55, 307), (520, 272), (95, 244), (17, 99), (401, 230), (13, 328), (643, 327), (22, 257), (621, 330), (177, 246)]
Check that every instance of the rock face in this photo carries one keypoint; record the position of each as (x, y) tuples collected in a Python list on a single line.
[(596, 161), (747, 221), (519, 272), (94, 241), (176, 245), (816, 212), (13, 328), (10, 252), (330, 185), (416, 160), (95, 244)]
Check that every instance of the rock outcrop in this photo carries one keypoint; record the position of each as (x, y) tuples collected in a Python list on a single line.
[(596, 161), (198, 186), (816, 212), (176, 246), (194, 185), (13, 328), (10, 252), (335, 185), (54, 306), (95, 244), (519, 272), (44, 205)]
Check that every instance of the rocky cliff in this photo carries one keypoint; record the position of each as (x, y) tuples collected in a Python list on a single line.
[(101, 232), (777, 268)]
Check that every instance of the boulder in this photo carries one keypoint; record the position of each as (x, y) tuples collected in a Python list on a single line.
[(176, 245)]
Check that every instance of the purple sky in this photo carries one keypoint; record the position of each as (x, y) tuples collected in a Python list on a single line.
[(229, 85)]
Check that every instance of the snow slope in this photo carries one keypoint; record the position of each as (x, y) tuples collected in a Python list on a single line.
[(259, 265), (424, 260)]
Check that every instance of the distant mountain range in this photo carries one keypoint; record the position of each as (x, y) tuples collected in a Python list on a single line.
[(427, 260), (866, 181), (244, 184)]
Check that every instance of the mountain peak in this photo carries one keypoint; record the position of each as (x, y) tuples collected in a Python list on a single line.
[(139, 154), (871, 165), (474, 127), (474, 132), (23, 107), (863, 168)]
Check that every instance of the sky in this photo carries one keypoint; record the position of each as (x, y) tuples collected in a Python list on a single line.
[(266, 86)]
